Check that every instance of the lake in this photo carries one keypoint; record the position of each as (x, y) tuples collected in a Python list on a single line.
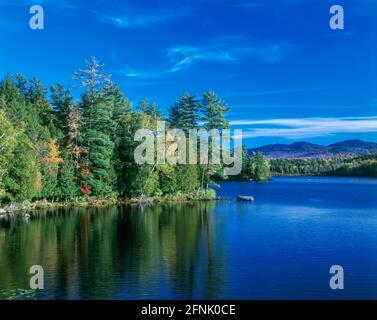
[(279, 247)]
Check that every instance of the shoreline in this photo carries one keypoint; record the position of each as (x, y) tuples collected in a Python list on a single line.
[(304, 175), (28, 206)]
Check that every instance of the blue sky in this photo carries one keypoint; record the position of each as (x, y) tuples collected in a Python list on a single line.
[(285, 74)]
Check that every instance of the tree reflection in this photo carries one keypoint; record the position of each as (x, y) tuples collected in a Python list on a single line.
[(161, 251)]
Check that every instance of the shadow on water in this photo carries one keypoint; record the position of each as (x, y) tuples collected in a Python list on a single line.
[(128, 252)]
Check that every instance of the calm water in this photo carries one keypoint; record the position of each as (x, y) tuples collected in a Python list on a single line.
[(280, 247)]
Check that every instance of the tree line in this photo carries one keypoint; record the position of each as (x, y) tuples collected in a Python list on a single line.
[(361, 166), (53, 146)]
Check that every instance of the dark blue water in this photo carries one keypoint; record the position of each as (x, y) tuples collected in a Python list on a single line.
[(283, 245), (279, 247)]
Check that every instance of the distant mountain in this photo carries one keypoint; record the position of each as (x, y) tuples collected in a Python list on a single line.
[(310, 150)]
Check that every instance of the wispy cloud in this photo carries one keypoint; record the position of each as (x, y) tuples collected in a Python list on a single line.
[(130, 73), (307, 127), (224, 50), (133, 20), (270, 92)]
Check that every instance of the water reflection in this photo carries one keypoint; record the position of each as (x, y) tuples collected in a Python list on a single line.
[(279, 247), (164, 251)]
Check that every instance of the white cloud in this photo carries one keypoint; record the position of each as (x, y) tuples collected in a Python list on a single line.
[(130, 73), (224, 50), (230, 49), (133, 19), (291, 128)]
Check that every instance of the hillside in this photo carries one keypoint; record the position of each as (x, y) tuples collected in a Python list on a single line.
[(310, 150)]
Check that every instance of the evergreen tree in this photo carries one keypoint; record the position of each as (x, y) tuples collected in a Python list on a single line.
[(149, 109), (62, 102), (184, 113), (97, 136), (98, 128), (214, 110), (120, 105), (63, 148), (123, 151), (36, 96), (16, 110), (175, 115), (67, 180)]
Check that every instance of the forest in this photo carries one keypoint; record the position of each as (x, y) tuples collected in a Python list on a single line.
[(58, 148), (361, 166)]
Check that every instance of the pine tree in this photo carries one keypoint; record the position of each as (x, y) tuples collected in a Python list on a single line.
[(98, 131), (175, 115), (120, 105), (98, 128), (213, 109), (67, 180), (36, 96), (62, 102), (149, 109), (184, 113), (123, 151), (121, 135)]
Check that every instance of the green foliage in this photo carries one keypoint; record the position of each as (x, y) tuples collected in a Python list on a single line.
[(362, 166), (56, 147), (8, 143), (67, 181), (188, 178), (184, 113), (21, 182), (62, 102), (143, 180), (168, 179), (260, 168), (214, 110), (67, 149), (97, 106), (246, 171), (149, 109), (204, 194)]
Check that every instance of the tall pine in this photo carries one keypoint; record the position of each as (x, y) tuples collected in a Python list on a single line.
[(98, 128)]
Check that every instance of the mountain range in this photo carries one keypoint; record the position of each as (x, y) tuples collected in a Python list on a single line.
[(346, 148)]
